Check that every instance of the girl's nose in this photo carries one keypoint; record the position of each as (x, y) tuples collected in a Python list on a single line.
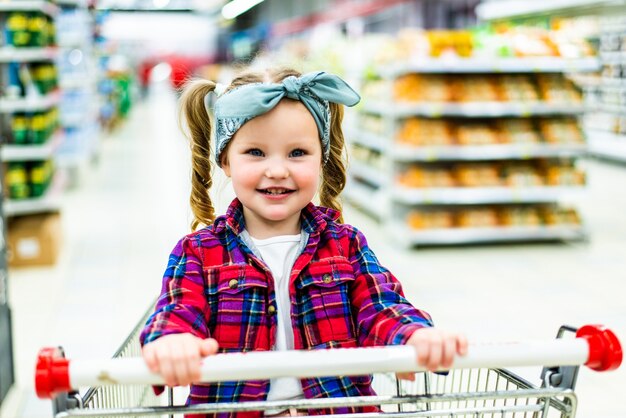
[(277, 171)]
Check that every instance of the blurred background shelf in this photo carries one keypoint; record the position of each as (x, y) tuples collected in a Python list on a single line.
[(30, 104), (608, 145), (472, 110), (27, 54), (489, 235), (45, 151), (464, 196), (50, 201)]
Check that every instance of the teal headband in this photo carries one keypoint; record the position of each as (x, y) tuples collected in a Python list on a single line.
[(315, 90)]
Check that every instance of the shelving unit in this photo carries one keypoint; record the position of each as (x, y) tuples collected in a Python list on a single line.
[(606, 123), (79, 103), (27, 77), (381, 159), (509, 9)]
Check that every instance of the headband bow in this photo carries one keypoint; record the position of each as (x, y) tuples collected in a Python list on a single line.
[(315, 90)]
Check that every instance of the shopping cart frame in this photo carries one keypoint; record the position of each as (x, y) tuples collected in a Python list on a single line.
[(509, 395)]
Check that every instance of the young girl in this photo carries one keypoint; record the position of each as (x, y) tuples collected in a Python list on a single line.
[(277, 272)]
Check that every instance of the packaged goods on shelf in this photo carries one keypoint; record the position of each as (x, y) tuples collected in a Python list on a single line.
[(420, 131), (520, 216), (460, 132), (431, 219), (480, 133), (557, 88), (530, 216), (28, 179), (551, 88), (518, 131), (419, 177), (492, 174), (563, 130), (477, 175), (517, 88), (478, 218), (34, 240), (423, 88)]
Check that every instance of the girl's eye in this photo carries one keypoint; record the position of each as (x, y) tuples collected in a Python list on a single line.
[(255, 152), (297, 153)]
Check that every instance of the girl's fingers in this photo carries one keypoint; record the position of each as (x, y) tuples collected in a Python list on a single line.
[(449, 347), (461, 345), (435, 353), (208, 347), (150, 358), (406, 376), (423, 352), (165, 361)]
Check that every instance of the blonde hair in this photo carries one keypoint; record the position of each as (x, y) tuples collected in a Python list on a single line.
[(193, 113)]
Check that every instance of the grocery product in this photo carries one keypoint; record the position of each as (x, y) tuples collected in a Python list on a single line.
[(520, 216), (561, 131), (419, 177), (423, 88), (477, 133), (518, 131), (478, 218), (477, 175), (431, 219), (425, 132)]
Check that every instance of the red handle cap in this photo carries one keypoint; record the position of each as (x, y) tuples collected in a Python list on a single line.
[(605, 350), (51, 373)]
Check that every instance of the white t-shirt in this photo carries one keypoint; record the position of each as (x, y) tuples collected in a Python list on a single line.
[(279, 253)]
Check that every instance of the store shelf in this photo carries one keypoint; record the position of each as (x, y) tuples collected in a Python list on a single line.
[(607, 145), (487, 152), (369, 140), (407, 153), (45, 151), (609, 108), (482, 235), (372, 175), (365, 198), (507, 9), (77, 82), (45, 7), (30, 104), (12, 54), (479, 195), (50, 201), (472, 109), (492, 65)]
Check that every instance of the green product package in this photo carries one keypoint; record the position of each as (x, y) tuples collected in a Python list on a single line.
[(17, 29), (16, 180), (19, 127)]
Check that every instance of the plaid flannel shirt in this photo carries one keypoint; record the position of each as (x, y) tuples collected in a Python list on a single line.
[(214, 286)]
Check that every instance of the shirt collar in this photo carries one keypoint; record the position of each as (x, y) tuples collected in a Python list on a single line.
[(313, 218)]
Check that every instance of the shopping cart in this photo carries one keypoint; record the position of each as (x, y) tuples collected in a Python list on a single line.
[(477, 386)]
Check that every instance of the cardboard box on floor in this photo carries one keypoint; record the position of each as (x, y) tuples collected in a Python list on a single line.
[(34, 240)]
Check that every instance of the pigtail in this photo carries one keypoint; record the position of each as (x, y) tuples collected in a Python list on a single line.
[(334, 170), (194, 114)]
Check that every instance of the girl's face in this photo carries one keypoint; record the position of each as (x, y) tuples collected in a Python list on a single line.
[(274, 161)]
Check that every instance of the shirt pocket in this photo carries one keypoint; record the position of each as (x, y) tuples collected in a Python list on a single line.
[(238, 297), (323, 302)]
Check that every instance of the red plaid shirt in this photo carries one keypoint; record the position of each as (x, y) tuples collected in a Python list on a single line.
[(341, 296)]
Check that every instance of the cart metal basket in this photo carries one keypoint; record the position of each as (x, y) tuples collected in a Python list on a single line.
[(464, 392)]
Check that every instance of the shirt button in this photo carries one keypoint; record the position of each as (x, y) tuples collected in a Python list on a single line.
[(271, 311), (327, 278), (233, 283)]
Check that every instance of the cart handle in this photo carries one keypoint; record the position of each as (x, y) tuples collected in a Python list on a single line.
[(595, 346)]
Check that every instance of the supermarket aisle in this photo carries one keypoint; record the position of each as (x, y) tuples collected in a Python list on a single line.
[(132, 207)]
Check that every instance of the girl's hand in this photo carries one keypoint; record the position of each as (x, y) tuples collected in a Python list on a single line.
[(178, 357), (436, 349)]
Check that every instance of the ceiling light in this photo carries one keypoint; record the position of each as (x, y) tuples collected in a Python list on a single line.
[(237, 7)]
